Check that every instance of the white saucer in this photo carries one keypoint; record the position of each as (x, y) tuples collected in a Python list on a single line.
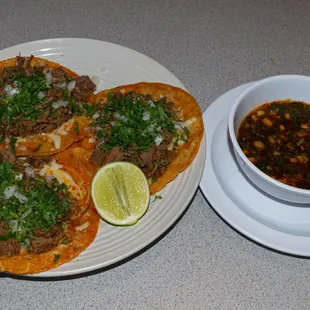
[(273, 223)]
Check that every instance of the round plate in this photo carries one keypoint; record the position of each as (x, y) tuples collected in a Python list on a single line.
[(116, 65), (273, 223)]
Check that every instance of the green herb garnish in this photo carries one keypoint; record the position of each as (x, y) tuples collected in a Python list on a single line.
[(13, 144), (157, 197), (56, 258), (37, 148), (32, 204)]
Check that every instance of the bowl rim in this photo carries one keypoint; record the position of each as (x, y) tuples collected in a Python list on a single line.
[(233, 137)]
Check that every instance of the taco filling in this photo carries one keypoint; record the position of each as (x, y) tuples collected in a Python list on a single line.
[(37, 99), (33, 211), (136, 128)]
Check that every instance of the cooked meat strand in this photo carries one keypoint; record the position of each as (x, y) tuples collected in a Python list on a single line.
[(9, 247), (7, 155), (4, 228), (83, 87), (39, 161), (45, 241), (53, 94), (59, 75), (153, 163), (100, 158), (9, 72), (44, 124)]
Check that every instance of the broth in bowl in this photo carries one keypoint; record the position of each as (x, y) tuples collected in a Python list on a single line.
[(275, 137)]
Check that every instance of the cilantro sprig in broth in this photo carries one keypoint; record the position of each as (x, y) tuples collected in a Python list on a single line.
[(28, 204), (135, 122)]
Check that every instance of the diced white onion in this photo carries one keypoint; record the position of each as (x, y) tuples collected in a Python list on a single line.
[(91, 140), (158, 140), (48, 178), (20, 197), (41, 95), (112, 123), (29, 172), (71, 85), (19, 176), (146, 116), (96, 115), (25, 214), (9, 191), (83, 226), (151, 104), (10, 91), (48, 77), (13, 225), (95, 79)]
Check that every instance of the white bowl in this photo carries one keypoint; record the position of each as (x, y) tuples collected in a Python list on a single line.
[(281, 87)]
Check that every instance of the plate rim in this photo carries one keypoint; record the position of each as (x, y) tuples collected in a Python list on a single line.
[(248, 231), (173, 218)]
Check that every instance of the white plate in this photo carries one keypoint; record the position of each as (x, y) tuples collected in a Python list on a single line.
[(116, 65), (273, 223)]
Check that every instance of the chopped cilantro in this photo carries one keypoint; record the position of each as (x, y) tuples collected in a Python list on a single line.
[(157, 197), (37, 204), (153, 179), (135, 122), (37, 148), (56, 258), (12, 144), (24, 100), (76, 128)]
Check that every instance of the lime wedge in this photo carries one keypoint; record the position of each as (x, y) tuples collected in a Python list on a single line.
[(120, 193)]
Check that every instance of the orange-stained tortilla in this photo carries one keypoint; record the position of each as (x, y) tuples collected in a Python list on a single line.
[(30, 145), (41, 144), (188, 109), (37, 62), (28, 263)]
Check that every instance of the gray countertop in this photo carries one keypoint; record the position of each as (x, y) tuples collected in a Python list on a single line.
[(211, 46)]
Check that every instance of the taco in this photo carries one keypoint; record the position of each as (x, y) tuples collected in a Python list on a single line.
[(41, 103), (158, 127), (46, 215)]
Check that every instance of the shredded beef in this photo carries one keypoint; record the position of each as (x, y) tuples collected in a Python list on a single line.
[(44, 124), (153, 163), (59, 75), (44, 241), (7, 155), (83, 87), (25, 64), (39, 161), (100, 158), (9, 247), (4, 228), (53, 94)]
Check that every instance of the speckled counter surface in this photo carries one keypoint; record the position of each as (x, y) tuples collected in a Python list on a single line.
[(211, 46)]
